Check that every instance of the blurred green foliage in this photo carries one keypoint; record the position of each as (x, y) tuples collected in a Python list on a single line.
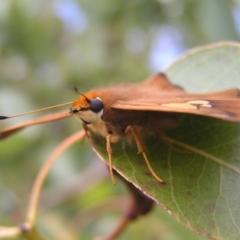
[(48, 45)]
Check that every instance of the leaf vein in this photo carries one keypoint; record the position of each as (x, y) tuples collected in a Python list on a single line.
[(203, 153)]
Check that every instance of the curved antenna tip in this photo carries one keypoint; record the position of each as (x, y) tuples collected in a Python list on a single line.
[(3, 117), (75, 88)]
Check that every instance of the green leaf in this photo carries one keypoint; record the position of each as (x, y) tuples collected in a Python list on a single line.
[(209, 68), (201, 189)]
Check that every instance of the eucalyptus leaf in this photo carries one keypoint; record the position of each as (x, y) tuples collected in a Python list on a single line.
[(209, 68), (202, 185)]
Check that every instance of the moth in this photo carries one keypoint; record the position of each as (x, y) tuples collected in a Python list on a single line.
[(133, 111)]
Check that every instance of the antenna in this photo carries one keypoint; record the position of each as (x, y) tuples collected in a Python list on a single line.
[(34, 111), (76, 90)]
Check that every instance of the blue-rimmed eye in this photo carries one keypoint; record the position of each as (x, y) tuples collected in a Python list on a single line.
[(96, 105)]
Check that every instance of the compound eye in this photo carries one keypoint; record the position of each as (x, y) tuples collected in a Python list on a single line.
[(96, 105)]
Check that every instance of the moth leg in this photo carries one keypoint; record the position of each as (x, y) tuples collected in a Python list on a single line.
[(109, 151), (141, 149), (85, 128), (86, 131)]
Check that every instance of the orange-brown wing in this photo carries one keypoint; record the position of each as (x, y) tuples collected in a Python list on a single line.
[(160, 82), (223, 105), (48, 118)]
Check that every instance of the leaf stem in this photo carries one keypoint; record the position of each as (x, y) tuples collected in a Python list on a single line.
[(35, 194)]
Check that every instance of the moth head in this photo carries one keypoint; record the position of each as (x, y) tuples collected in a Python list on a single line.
[(88, 108)]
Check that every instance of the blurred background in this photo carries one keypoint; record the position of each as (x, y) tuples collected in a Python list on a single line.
[(46, 47)]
